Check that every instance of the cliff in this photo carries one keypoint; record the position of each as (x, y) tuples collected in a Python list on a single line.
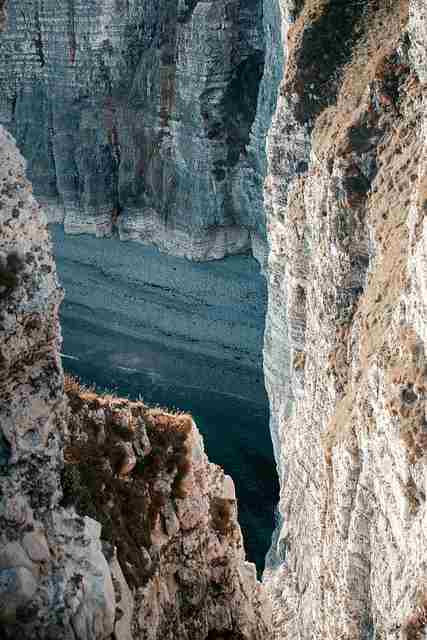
[(145, 118), (171, 515), (179, 565), (42, 547), (346, 202)]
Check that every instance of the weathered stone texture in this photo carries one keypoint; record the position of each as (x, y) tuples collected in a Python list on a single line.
[(145, 117), (346, 202), (52, 569), (173, 517)]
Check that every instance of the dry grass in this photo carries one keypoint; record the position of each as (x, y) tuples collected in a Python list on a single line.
[(415, 626), (312, 12), (387, 208), (298, 361), (319, 44), (111, 476), (73, 386), (379, 34), (388, 211), (221, 515), (407, 384), (80, 393)]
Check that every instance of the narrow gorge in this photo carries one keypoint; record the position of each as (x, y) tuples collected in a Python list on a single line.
[(146, 122), (213, 180)]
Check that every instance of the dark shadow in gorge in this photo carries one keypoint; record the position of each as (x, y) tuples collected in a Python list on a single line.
[(236, 437), (183, 335)]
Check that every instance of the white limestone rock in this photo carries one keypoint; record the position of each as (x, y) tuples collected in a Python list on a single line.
[(345, 341)]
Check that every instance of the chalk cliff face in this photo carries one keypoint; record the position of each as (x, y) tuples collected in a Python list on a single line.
[(145, 117), (346, 334), (180, 565), (143, 473)]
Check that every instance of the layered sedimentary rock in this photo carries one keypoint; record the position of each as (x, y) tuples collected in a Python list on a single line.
[(145, 117), (346, 198), (182, 566)]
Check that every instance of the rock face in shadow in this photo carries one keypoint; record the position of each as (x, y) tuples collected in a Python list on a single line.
[(148, 118), (181, 564), (346, 336)]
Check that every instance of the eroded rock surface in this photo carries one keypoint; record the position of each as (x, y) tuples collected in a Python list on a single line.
[(54, 579), (145, 117), (346, 199)]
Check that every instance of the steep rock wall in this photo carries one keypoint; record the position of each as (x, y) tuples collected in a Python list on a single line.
[(145, 117), (346, 202), (179, 543), (43, 548)]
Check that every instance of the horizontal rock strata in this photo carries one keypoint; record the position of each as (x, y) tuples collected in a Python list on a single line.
[(148, 118)]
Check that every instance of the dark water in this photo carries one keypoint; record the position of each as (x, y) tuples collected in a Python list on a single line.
[(179, 335)]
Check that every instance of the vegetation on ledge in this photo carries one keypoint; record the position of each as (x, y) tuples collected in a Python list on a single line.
[(123, 463)]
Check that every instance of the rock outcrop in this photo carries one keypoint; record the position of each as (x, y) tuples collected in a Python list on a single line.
[(145, 117), (346, 202), (171, 515), (180, 564)]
